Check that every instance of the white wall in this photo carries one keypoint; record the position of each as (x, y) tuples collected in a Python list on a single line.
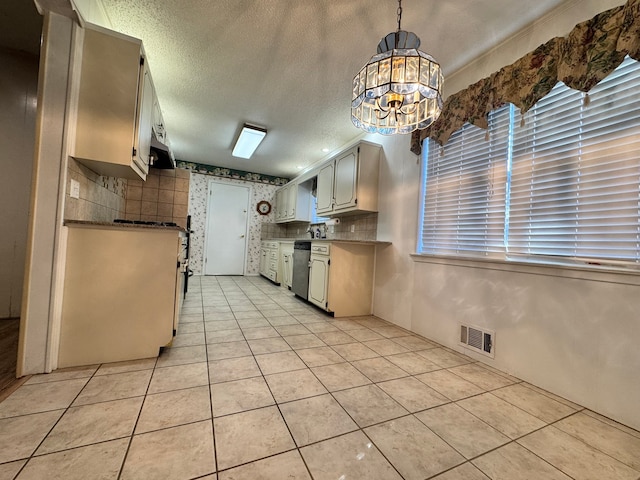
[(575, 335), (18, 93)]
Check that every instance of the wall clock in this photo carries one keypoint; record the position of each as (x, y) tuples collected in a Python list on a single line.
[(263, 207)]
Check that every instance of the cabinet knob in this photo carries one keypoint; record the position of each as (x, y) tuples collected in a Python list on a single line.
[(241, 236)]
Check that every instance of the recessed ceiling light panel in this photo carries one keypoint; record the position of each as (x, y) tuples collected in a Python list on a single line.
[(248, 141)]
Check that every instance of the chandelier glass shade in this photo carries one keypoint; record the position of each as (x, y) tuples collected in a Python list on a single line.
[(400, 89)]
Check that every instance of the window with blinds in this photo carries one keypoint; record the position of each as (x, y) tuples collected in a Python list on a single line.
[(464, 194), (569, 173)]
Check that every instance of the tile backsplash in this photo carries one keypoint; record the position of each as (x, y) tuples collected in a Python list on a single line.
[(163, 197), (101, 198), (364, 227)]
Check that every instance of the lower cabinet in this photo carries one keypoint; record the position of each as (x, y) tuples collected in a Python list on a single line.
[(122, 291), (269, 252), (285, 272), (319, 280), (341, 277)]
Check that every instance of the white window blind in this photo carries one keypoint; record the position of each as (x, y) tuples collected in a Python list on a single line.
[(563, 183), (575, 187), (464, 195)]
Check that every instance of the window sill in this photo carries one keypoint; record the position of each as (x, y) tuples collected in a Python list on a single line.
[(585, 271)]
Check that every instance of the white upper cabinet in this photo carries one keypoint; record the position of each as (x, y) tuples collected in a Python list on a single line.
[(349, 182), (293, 202), (115, 102), (325, 188)]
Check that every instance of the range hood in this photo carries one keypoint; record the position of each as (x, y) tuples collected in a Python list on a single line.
[(160, 155)]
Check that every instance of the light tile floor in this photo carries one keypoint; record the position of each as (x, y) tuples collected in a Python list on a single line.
[(260, 385)]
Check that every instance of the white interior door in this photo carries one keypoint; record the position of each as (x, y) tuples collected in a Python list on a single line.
[(226, 235)]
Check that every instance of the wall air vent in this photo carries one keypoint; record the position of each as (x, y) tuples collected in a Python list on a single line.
[(478, 339)]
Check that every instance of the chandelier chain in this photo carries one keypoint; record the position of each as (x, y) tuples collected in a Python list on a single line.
[(399, 13)]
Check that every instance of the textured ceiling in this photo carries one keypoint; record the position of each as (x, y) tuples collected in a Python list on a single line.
[(287, 65)]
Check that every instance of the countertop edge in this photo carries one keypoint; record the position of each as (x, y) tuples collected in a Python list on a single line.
[(329, 240), (89, 223)]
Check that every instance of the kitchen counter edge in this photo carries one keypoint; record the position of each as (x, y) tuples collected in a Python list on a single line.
[(88, 223), (328, 240)]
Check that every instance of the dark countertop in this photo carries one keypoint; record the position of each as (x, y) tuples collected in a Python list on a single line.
[(87, 223)]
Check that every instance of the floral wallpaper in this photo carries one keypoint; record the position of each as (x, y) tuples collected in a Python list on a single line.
[(198, 188), (591, 51)]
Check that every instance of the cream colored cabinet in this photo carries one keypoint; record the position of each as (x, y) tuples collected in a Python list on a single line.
[(121, 293), (281, 205), (263, 261), (324, 198), (269, 251), (341, 277), (319, 275), (293, 202), (285, 273), (114, 105), (349, 182)]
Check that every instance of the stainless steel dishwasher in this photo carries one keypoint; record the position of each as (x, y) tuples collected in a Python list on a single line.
[(301, 258)]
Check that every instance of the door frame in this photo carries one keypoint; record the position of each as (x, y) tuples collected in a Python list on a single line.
[(210, 184)]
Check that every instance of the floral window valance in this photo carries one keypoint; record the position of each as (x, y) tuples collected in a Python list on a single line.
[(583, 58)]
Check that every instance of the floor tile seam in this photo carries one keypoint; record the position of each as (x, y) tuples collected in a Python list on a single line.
[(520, 408), (553, 424), (495, 371), (156, 430), (225, 470), (468, 459), (182, 364), (635, 433), (547, 394), (152, 394), (546, 424), (77, 447), (328, 392), (533, 414), (375, 382), (66, 409), (457, 466), (511, 439), (415, 374), (213, 428), (33, 453), (282, 417), (476, 383), (206, 352), (297, 369), (49, 382), (517, 442), (135, 425), (381, 452)]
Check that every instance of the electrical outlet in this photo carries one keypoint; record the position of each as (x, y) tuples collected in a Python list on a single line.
[(75, 189), (353, 227)]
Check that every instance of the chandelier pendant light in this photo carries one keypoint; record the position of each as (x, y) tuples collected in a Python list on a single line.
[(400, 89)]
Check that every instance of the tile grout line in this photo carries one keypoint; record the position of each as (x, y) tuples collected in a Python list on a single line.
[(277, 405), (55, 424), (206, 353), (133, 430)]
